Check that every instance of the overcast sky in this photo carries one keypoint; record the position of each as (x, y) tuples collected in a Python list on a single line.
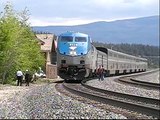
[(74, 12)]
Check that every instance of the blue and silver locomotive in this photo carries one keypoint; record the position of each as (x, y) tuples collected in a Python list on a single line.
[(77, 58), (74, 55)]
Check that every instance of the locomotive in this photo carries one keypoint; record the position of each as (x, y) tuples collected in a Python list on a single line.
[(77, 58)]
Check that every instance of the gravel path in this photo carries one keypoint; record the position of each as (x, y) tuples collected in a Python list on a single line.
[(153, 78), (109, 84), (44, 102)]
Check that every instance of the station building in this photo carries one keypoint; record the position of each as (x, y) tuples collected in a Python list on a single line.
[(48, 46)]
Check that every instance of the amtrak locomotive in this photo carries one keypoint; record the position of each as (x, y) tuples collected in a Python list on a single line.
[(77, 58)]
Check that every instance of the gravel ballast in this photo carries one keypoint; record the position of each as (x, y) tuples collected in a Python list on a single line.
[(44, 102), (109, 84)]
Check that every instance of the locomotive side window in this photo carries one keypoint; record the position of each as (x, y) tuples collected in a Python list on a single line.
[(66, 39), (80, 39)]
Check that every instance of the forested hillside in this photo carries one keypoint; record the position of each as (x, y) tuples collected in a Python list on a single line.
[(132, 31), (146, 51)]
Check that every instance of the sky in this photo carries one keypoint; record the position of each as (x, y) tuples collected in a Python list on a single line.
[(76, 12)]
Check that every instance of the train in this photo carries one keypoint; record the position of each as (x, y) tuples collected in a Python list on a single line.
[(78, 58)]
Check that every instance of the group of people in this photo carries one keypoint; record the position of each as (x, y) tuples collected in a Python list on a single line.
[(100, 72), (19, 75)]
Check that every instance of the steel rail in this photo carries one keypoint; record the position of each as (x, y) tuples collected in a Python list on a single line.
[(97, 95), (129, 79), (147, 83), (124, 95), (139, 83)]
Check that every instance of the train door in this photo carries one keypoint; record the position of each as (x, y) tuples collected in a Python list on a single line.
[(117, 68)]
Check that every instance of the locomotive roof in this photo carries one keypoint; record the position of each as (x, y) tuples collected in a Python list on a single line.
[(70, 33)]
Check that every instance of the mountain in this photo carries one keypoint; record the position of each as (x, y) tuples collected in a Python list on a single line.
[(133, 31)]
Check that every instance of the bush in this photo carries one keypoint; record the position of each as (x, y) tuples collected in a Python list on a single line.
[(10, 81)]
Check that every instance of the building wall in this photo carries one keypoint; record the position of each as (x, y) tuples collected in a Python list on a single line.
[(51, 71), (49, 49)]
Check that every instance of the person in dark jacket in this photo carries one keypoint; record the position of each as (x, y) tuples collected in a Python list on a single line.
[(100, 72), (27, 77)]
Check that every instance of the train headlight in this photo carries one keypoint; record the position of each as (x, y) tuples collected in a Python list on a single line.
[(73, 53)]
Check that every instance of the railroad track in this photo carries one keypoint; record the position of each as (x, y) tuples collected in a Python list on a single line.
[(132, 80), (147, 106)]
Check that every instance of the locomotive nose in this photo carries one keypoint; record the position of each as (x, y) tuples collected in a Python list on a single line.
[(76, 73), (72, 70)]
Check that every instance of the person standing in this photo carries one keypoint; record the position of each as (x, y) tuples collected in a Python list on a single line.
[(19, 77), (100, 73), (27, 77)]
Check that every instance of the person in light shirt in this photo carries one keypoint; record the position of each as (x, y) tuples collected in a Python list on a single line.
[(19, 77)]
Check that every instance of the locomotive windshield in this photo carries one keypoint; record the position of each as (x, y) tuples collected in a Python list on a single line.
[(73, 44), (66, 38), (80, 39)]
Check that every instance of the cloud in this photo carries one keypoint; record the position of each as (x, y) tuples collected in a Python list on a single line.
[(60, 21), (79, 11)]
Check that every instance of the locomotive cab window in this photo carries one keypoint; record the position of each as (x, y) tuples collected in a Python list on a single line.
[(66, 39), (80, 39)]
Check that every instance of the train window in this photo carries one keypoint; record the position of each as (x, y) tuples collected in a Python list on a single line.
[(116, 65), (80, 39), (110, 54), (66, 38), (113, 65), (120, 56), (127, 58), (115, 55)]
